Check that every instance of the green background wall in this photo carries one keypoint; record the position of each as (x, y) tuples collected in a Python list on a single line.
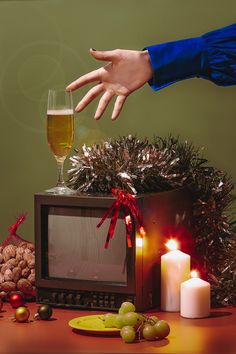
[(45, 43)]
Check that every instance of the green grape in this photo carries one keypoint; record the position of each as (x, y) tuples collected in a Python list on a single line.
[(118, 321), (128, 334), (149, 332), (108, 319), (126, 307), (154, 319), (120, 311), (130, 318), (162, 329)]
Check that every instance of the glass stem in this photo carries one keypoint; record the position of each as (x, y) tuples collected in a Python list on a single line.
[(60, 181)]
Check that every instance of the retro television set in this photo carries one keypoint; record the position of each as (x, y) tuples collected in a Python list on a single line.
[(73, 268)]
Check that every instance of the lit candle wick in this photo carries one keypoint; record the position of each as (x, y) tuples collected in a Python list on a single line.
[(194, 274), (172, 245)]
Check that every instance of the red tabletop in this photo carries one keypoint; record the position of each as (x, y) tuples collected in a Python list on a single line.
[(216, 334)]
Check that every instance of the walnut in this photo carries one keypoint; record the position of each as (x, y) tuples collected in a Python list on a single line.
[(19, 257), (6, 266), (20, 251), (16, 274), (31, 278), (25, 286), (25, 272), (27, 251), (12, 261), (8, 276), (22, 264), (1, 279), (31, 264), (30, 246), (30, 258), (23, 244), (9, 252), (8, 286), (1, 258)]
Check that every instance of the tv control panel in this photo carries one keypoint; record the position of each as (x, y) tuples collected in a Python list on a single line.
[(82, 299)]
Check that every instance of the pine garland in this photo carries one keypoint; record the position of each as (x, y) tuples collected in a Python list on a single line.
[(140, 166)]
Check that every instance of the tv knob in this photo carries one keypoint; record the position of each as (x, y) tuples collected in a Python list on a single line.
[(54, 298), (61, 298), (112, 303), (70, 299), (78, 299)]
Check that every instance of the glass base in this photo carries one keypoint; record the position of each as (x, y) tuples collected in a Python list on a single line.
[(60, 190)]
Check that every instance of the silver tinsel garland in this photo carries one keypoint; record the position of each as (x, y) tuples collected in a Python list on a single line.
[(140, 166)]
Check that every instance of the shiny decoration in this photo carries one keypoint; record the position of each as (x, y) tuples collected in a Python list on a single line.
[(44, 312), (22, 314), (140, 166), (16, 300)]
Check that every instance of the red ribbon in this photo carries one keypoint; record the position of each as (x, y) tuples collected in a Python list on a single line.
[(131, 210), (15, 226), (12, 237)]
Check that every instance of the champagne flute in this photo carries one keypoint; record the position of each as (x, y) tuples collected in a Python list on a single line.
[(60, 133)]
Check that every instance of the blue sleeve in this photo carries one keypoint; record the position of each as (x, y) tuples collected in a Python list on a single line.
[(211, 56)]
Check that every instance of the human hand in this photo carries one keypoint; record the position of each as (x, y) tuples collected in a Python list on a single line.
[(127, 71)]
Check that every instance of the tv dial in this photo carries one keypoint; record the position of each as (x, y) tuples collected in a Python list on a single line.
[(61, 298), (70, 299)]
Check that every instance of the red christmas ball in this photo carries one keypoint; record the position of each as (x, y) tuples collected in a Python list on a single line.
[(16, 300)]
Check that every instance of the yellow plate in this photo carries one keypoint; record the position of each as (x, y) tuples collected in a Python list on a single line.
[(93, 324)]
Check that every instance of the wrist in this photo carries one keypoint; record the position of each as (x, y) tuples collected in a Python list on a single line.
[(147, 64)]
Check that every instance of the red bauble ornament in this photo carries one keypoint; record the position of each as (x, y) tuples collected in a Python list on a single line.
[(16, 300)]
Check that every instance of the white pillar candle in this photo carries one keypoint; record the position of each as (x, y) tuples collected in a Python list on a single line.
[(175, 269), (195, 298)]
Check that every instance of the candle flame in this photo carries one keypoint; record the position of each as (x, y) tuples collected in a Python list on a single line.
[(139, 241), (142, 231), (172, 245), (194, 274)]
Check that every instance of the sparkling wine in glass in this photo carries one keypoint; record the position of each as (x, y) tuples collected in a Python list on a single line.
[(60, 133)]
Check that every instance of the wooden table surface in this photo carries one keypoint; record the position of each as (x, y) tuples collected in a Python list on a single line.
[(213, 335)]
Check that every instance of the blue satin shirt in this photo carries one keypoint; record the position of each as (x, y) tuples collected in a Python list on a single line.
[(211, 56)]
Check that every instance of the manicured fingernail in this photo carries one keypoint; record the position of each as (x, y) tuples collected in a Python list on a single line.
[(77, 108)]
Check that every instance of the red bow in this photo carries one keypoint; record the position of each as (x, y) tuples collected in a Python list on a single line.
[(131, 210)]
